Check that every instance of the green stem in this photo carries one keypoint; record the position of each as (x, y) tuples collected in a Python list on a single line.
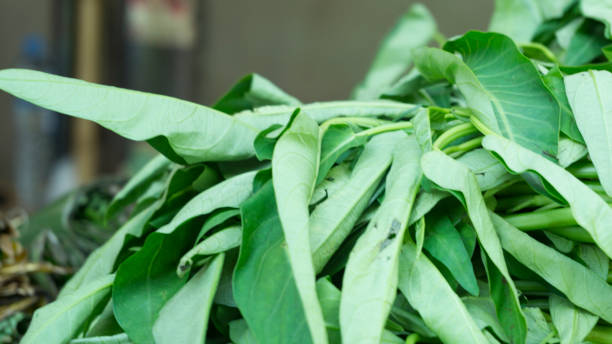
[(466, 146), (385, 128), (360, 121), (530, 286), (481, 127), (412, 339), (547, 219), (557, 221), (600, 334), (439, 38), (585, 171), (454, 133)]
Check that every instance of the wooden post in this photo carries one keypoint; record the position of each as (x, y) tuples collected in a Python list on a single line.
[(88, 49)]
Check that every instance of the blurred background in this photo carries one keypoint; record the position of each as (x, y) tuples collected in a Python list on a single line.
[(195, 50)]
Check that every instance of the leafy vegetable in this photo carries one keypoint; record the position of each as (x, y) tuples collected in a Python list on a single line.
[(466, 200)]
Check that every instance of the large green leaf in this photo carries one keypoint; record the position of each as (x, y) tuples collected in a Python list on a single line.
[(586, 44), (63, 319), (229, 193), (500, 85), (138, 184), (581, 286), (520, 19), (147, 280), (183, 131), (414, 29), (253, 91), (588, 208), (184, 318), (332, 220), (568, 126), (482, 310), (599, 10), (266, 116), (264, 287), (444, 243), (429, 293), (592, 108), (572, 323), (102, 261), (329, 297), (453, 175), (295, 164), (370, 278)]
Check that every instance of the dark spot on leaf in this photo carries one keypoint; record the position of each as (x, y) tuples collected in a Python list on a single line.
[(549, 154), (396, 225), (330, 179)]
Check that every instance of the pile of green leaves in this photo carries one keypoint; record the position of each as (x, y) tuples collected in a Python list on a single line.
[(463, 200)]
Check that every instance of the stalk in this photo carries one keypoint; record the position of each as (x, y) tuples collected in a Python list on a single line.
[(385, 128), (600, 334), (458, 150), (454, 133)]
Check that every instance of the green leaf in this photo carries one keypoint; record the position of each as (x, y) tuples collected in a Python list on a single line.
[(444, 243), (253, 91), (586, 93), (595, 259), (102, 261), (229, 193), (572, 323), (422, 129), (266, 116), (295, 164), (329, 297), (219, 242), (185, 132), (570, 152), (414, 29), (370, 278), (489, 172), (184, 318), (599, 10), (589, 291), (429, 293), (332, 220), (520, 19), (63, 319), (589, 209), (482, 310), (264, 287), (264, 145), (336, 140), (586, 44), (554, 81), (453, 175), (217, 218), (538, 329), (137, 185), (121, 338), (500, 85), (147, 280), (240, 333)]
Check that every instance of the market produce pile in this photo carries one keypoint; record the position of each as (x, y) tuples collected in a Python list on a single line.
[(460, 196)]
